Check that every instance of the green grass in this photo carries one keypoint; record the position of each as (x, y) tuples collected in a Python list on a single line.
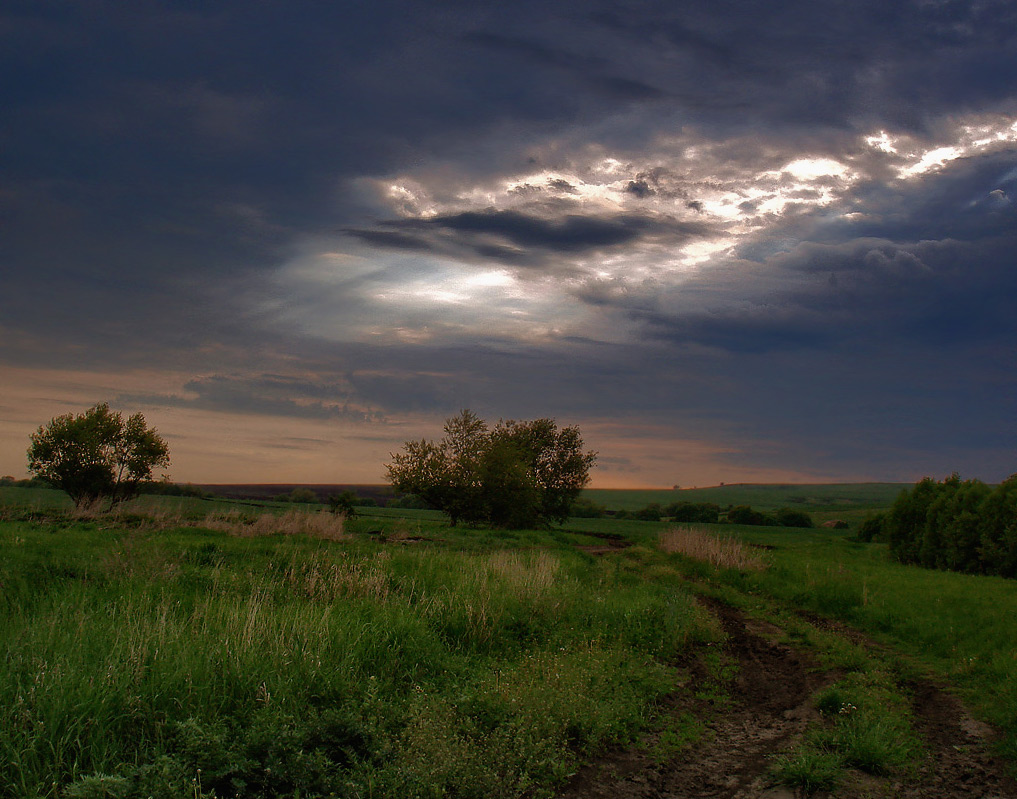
[(962, 627), (142, 659), (866, 726), (147, 656)]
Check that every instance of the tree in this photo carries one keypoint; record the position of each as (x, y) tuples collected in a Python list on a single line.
[(304, 495), (704, 512), (96, 455), (343, 504), (517, 474)]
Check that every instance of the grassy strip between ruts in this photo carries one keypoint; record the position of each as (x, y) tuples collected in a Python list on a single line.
[(159, 660), (866, 720), (960, 627)]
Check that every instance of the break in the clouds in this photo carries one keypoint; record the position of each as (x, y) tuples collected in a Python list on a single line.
[(731, 240)]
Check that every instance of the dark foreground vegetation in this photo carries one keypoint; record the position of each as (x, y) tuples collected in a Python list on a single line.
[(170, 654), (189, 647)]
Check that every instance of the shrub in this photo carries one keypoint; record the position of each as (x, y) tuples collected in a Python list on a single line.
[(410, 502), (788, 517), (651, 513), (957, 525), (343, 504), (743, 514), (693, 512), (873, 528), (998, 529), (303, 495), (586, 509)]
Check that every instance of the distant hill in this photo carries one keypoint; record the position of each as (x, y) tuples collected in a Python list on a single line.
[(266, 491), (808, 497)]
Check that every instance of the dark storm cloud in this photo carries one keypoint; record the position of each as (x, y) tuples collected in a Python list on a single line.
[(588, 70), (830, 63), (137, 128), (517, 238), (161, 163), (269, 395), (640, 188), (931, 294), (562, 186)]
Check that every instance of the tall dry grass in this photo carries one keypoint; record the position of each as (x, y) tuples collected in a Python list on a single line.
[(526, 577), (702, 544), (327, 579)]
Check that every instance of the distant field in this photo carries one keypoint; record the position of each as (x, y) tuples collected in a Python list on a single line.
[(851, 502), (832, 497), (267, 491)]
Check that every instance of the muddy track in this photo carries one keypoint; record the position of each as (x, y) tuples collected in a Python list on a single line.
[(769, 707)]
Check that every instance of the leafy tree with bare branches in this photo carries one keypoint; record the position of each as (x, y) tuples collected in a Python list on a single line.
[(516, 475), (97, 455)]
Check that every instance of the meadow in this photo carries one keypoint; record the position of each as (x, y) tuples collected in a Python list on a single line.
[(195, 647)]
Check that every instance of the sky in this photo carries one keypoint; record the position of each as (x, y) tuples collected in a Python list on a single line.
[(732, 241)]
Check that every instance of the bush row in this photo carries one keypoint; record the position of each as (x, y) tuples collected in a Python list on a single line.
[(960, 525), (699, 513)]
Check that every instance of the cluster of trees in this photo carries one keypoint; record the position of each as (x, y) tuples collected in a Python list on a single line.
[(783, 517), (514, 475), (960, 525), (168, 489), (705, 512), (699, 513), (97, 455), (32, 482)]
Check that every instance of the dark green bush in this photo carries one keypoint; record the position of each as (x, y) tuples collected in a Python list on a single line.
[(585, 509), (303, 495), (743, 514), (788, 517), (998, 529), (651, 513), (408, 501), (693, 512), (960, 525), (873, 528)]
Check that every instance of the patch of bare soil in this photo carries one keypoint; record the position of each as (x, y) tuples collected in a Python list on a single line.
[(612, 543), (769, 708), (960, 762)]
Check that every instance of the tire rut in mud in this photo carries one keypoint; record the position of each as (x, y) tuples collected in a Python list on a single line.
[(769, 707)]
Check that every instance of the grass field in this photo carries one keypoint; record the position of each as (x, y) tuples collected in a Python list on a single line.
[(817, 497), (398, 657), (182, 648)]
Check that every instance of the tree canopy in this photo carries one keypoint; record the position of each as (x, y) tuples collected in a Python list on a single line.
[(516, 474), (96, 455), (961, 525)]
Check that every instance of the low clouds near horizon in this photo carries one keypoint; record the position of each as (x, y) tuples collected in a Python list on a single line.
[(739, 241)]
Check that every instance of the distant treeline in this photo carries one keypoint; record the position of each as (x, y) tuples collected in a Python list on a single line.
[(698, 513), (959, 525), (32, 482)]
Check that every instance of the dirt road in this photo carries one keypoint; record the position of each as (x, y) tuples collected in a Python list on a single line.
[(768, 705)]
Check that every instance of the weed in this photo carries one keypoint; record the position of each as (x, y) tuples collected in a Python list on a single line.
[(866, 726), (680, 732)]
